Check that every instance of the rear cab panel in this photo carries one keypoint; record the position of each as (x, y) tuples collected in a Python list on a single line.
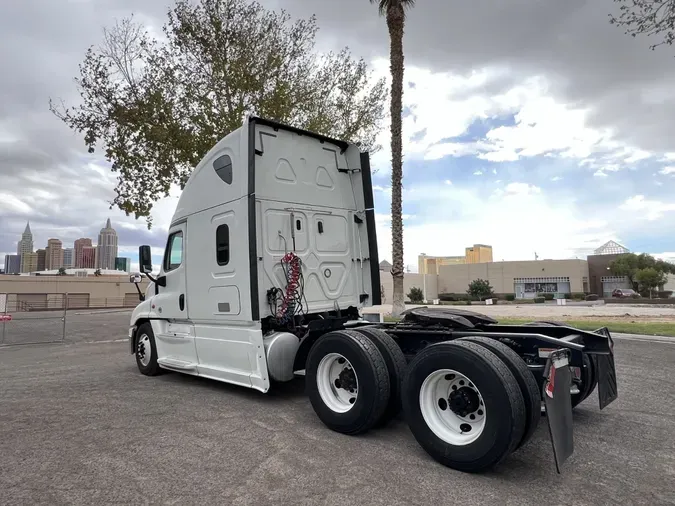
[(310, 200)]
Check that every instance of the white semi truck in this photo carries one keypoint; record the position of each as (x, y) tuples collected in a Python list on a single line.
[(270, 258)]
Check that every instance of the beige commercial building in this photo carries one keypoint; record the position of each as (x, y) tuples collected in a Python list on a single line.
[(38, 292), (478, 253), (523, 278)]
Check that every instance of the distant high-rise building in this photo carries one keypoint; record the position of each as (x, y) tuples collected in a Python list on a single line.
[(79, 244), (42, 259), (88, 258), (29, 262), (68, 258), (123, 264), (106, 249), (478, 254), (54, 254), (25, 245), (12, 264)]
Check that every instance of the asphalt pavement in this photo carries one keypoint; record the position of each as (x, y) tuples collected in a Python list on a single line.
[(80, 425)]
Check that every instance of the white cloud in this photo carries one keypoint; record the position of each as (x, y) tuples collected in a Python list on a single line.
[(447, 181), (478, 173), (556, 178), (600, 173), (444, 105), (651, 209), (517, 220), (667, 170)]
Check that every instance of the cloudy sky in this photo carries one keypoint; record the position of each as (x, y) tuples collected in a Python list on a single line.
[(530, 125)]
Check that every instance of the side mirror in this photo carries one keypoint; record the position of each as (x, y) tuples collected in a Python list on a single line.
[(145, 259), (135, 278)]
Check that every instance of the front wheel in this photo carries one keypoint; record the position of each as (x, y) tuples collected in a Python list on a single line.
[(146, 351), (463, 405)]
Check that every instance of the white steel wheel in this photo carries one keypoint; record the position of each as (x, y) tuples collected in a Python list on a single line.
[(337, 382), (452, 407), (144, 350)]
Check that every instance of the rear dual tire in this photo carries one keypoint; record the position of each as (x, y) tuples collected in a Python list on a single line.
[(447, 384), (347, 382)]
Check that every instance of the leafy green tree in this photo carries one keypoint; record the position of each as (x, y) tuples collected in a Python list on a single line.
[(479, 289), (156, 106), (650, 278), (629, 264), (394, 11), (415, 295), (653, 18), (97, 272)]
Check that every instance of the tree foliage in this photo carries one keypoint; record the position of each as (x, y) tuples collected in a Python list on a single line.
[(650, 278), (416, 295), (653, 18), (157, 106), (479, 288), (630, 264)]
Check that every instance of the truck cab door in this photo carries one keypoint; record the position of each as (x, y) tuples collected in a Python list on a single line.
[(174, 333)]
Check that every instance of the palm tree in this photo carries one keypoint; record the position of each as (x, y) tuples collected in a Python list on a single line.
[(394, 13)]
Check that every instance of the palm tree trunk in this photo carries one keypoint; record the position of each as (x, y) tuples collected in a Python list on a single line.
[(395, 23)]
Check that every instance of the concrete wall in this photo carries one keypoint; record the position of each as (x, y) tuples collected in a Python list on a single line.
[(410, 280), (456, 278), (97, 287)]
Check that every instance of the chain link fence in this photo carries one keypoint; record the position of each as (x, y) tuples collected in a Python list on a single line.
[(23, 323)]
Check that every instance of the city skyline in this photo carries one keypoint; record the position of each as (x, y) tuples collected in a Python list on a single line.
[(84, 254)]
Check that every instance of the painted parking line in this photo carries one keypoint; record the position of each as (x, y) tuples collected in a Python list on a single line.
[(126, 339)]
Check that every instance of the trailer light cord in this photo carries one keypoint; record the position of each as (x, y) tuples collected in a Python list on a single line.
[(291, 300)]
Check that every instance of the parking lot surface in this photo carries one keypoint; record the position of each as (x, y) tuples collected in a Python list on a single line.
[(80, 425)]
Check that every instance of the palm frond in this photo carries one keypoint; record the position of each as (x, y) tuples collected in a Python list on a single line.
[(383, 5)]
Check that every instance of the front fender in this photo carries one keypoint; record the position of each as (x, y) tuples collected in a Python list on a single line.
[(140, 312)]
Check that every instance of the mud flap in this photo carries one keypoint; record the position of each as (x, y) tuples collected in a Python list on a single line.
[(558, 401), (606, 370)]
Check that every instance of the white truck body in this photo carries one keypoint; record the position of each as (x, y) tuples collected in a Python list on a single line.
[(262, 191)]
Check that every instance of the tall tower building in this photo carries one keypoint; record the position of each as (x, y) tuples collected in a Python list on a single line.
[(80, 244), (478, 254), (25, 245), (68, 258), (106, 249), (54, 254), (42, 259)]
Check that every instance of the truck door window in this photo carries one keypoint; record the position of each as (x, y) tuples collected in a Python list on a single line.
[(174, 253), (223, 245)]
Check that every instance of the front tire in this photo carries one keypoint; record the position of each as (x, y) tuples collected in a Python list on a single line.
[(347, 381), (463, 405), (146, 351)]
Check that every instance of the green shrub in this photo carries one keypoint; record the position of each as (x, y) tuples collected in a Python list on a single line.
[(567, 295), (578, 296), (416, 295), (510, 296), (665, 294), (467, 302), (539, 300), (546, 296), (591, 297), (635, 296)]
